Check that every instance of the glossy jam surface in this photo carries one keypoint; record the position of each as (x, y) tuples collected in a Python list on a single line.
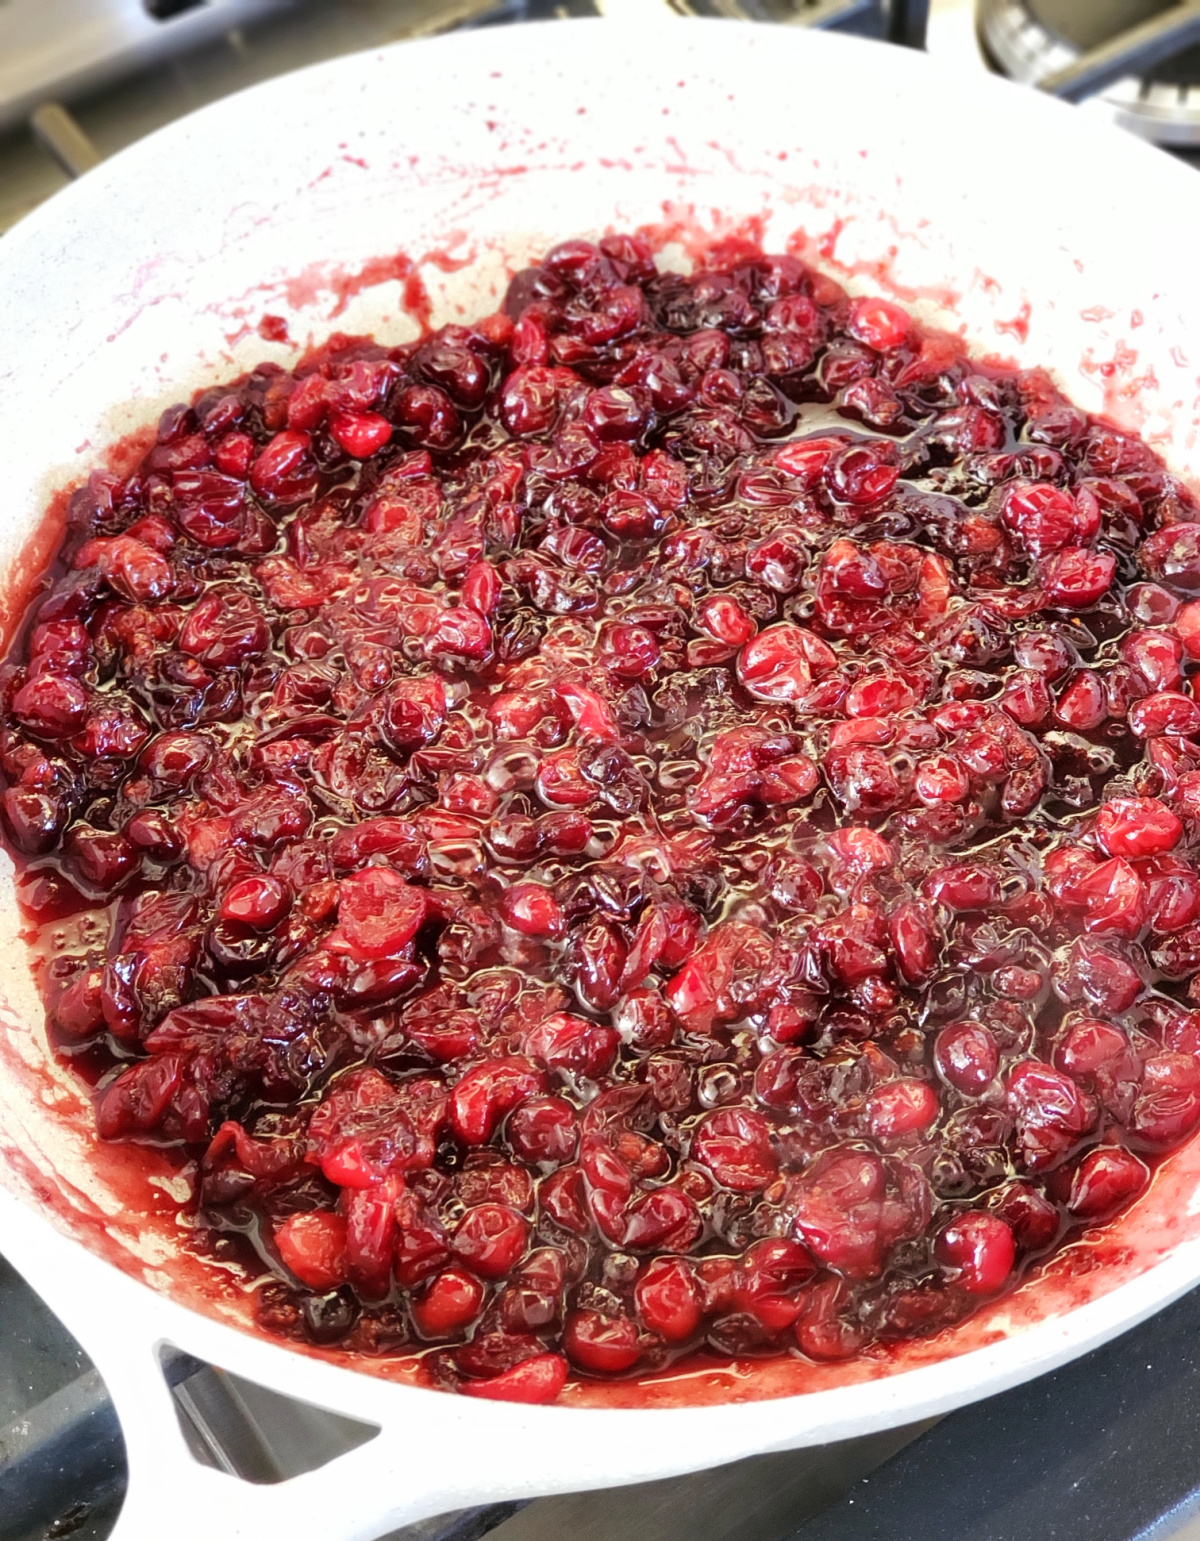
[(659, 823)]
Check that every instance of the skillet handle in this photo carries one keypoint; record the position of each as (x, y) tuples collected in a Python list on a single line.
[(353, 1498), (409, 1471)]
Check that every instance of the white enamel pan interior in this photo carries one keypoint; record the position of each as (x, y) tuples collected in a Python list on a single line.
[(1039, 234)]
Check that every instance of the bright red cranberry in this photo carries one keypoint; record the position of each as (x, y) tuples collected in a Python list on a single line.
[(258, 902), (901, 1108), (535, 1380), (1076, 578), (449, 1302), (51, 705), (768, 1282), (313, 1247), (1051, 1112), (880, 324), (1167, 711), (544, 1129), (532, 910), (378, 912), (566, 1042), (722, 617), (1137, 826), (669, 1299), (602, 1345), (485, 1094), (979, 1247), (864, 474)]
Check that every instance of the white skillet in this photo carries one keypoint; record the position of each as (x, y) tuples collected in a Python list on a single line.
[(1045, 236)]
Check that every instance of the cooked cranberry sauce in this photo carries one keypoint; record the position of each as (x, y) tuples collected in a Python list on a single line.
[(663, 820)]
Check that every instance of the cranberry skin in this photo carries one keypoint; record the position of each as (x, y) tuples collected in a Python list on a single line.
[(915, 940), (79, 1010), (51, 705), (257, 902), (429, 416), (781, 662), (1042, 515), (545, 1129), (573, 1044), (768, 1280), (532, 909), (604, 1345), (838, 1211), (1051, 1112), (1172, 557), (901, 1108), (1168, 1105), (1137, 826), (449, 1302), (1168, 711), (103, 861), (35, 820), (361, 434), (485, 1094), (1076, 578), (735, 1145), (529, 399), (1104, 1182), (378, 912), (535, 1381), (313, 1247), (722, 617), (284, 472), (880, 324), (1032, 1218), (864, 474), (669, 1299), (980, 1248), (615, 415), (967, 1057), (491, 1239)]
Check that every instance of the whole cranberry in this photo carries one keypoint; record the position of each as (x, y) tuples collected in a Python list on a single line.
[(979, 1247)]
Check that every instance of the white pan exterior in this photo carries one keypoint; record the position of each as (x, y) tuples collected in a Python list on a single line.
[(121, 295)]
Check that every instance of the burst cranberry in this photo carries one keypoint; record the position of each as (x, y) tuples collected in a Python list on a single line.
[(544, 1129), (535, 1380), (1104, 1182), (1076, 578), (51, 705), (532, 910), (901, 1108), (769, 1279), (1167, 711), (669, 1300), (485, 1094), (603, 1345), (1051, 1112), (491, 1239), (880, 324), (378, 912), (258, 902), (1137, 826)]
